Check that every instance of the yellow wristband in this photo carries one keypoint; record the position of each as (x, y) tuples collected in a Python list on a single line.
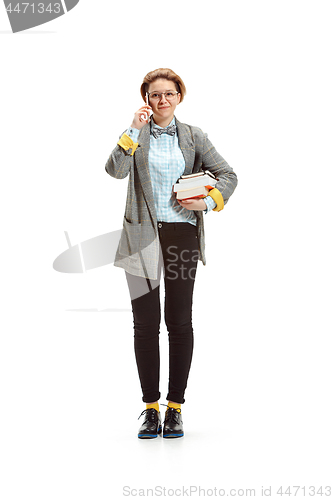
[(218, 198), (127, 143)]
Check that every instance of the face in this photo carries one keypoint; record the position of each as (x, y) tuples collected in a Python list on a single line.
[(163, 109)]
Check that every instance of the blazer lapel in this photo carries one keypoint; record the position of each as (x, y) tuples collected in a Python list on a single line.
[(142, 164), (186, 144)]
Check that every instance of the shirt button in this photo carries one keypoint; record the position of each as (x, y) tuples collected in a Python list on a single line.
[(159, 225)]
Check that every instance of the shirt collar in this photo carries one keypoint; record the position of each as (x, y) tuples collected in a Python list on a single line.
[(153, 124)]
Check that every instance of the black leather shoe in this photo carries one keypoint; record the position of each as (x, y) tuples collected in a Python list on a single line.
[(173, 424), (152, 424)]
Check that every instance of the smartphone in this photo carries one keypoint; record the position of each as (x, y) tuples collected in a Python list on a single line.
[(144, 116)]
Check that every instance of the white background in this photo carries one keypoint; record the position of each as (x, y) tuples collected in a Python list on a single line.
[(258, 408)]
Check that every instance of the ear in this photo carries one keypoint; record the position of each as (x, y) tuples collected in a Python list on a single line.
[(178, 97)]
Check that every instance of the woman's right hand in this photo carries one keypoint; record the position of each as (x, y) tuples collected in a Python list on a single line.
[(139, 122)]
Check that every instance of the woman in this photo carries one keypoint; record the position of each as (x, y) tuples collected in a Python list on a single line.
[(160, 230)]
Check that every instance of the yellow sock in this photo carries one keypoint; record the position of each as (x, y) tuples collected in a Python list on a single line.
[(156, 406), (177, 406)]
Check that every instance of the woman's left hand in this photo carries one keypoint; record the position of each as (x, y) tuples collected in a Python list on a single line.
[(193, 204)]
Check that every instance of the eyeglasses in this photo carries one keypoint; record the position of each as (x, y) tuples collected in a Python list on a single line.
[(169, 95)]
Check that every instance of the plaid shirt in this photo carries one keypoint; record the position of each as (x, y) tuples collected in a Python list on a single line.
[(166, 165)]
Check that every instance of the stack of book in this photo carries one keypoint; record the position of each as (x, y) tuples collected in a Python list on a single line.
[(194, 185)]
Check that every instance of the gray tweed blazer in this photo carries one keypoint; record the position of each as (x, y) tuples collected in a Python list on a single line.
[(138, 249)]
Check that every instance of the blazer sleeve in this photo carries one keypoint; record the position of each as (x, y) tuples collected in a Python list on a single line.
[(213, 161), (120, 161)]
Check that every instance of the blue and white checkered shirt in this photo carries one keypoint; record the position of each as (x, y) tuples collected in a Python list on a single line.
[(166, 165)]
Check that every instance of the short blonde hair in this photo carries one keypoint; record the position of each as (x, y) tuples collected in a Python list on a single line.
[(167, 74)]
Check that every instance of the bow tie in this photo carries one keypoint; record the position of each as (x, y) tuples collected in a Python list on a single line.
[(171, 130)]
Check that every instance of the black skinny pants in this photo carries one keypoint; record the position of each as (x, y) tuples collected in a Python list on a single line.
[(179, 254)]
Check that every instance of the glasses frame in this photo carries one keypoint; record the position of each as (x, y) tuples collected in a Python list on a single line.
[(161, 93)]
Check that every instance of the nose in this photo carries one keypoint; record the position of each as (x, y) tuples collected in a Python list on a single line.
[(163, 99)]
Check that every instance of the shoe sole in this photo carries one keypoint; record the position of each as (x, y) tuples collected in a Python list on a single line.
[(173, 435), (150, 436)]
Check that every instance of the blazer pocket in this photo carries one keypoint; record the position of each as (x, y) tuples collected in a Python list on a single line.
[(129, 244)]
